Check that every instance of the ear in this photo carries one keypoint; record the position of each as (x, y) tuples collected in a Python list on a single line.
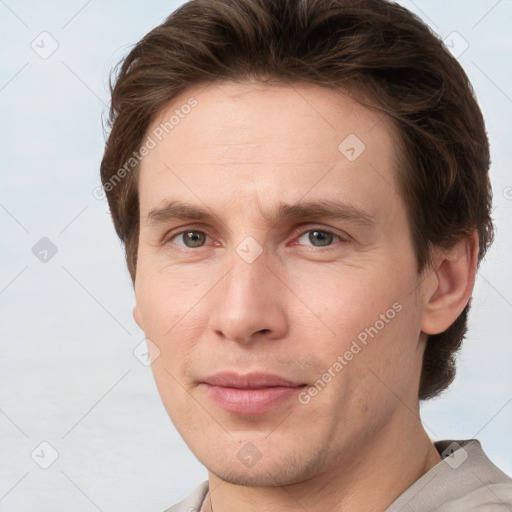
[(138, 317), (450, 284)]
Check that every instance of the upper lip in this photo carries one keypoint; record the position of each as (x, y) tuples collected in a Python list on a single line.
[(255, 380)]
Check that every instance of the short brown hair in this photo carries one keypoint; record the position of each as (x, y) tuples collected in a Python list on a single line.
[(374, 46)]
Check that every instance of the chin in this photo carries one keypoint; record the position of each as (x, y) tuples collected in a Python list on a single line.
[(250, 478), (288, 470)]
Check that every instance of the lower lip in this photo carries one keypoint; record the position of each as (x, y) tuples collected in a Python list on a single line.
[(251, 401)]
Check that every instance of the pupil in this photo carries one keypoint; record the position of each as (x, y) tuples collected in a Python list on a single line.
[(320, 236), (195, 238)]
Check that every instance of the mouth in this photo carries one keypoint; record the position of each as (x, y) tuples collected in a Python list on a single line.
[(250, 394)]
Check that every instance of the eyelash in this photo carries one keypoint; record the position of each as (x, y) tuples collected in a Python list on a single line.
[(297, 234)]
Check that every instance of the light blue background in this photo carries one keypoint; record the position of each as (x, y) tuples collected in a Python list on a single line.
[(67, 372)]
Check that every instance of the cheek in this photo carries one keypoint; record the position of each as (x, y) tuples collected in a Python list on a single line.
[(345, 300), (365, 315), (164, 298)]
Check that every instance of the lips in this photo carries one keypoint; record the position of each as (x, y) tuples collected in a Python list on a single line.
[(252, 393), (248, 381)]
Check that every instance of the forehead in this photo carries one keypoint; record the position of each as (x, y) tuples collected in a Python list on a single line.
[(252, 113), (251, 139)]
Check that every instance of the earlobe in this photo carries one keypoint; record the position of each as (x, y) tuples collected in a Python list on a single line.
[(137, 316), (454, 276)]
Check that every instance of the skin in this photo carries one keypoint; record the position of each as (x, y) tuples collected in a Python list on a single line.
[(246, 147)]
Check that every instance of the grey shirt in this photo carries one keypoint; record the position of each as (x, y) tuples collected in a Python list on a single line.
[(464, 481)]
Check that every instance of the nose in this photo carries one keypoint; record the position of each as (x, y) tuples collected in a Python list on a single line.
[(249, 303)]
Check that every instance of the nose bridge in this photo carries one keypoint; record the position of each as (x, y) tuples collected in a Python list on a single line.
[(247, 285), (248, 300)]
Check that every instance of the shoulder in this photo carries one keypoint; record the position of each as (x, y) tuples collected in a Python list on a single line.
[(489, 489), (487, 498), (464, 480), (193, 502)]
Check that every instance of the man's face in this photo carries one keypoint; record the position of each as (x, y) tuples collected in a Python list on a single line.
[(268, 282)]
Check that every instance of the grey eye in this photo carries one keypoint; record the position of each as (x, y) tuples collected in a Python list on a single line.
[(192, 238), (319, 238)]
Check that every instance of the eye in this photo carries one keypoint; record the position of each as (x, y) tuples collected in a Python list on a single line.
[(319, 237), (190, 239), (193, 238)]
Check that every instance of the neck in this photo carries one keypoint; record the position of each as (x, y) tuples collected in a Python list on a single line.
[(383, 469)]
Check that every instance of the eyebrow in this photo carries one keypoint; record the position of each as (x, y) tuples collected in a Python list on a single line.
[(327, 208)]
